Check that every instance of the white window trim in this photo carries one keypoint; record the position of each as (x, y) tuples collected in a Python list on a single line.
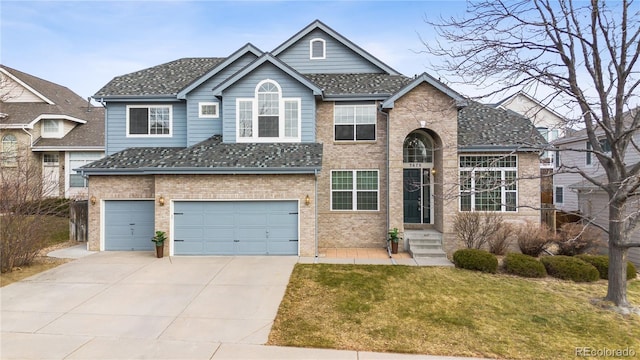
[(555, 189), (375, 123), (147, 106), (254, 138), (9, 150), (324, 49), (503, 190), (354, 191), (52, 135), (207, 116)]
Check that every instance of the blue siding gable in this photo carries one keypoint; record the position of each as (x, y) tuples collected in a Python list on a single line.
[(291, 88), (199, 129), (338, 57), (116, 128)]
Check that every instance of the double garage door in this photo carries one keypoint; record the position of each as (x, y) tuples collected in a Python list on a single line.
[(207, 227)]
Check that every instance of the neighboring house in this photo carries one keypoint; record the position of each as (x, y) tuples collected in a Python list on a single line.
[(314, 144), (548, 122), (47, 123), (572, 193)]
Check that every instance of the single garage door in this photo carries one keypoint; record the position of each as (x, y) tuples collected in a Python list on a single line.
[(129, 225), (236, 228)]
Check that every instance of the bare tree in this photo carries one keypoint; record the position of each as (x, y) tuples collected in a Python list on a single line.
[(585, 55), (23, 209)]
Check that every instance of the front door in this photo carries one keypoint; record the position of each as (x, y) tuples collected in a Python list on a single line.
[(50, 175), (417, 196)]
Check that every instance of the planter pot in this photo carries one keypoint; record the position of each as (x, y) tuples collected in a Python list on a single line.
[(160, 251), (394, 247)]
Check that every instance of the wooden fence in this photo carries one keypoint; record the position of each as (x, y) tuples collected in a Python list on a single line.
[(78, 220)]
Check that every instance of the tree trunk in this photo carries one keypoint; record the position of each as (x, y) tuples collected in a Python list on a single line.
[(617, 288)]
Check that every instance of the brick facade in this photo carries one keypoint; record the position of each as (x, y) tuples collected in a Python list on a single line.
[(205, 187), (350, 228)]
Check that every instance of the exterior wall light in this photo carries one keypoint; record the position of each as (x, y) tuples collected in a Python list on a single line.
[(307, 200), (433, 171), (161, 200), (93, 200)]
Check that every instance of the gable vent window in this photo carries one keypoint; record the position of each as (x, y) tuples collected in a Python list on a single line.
[(317, 49), (149, 120)]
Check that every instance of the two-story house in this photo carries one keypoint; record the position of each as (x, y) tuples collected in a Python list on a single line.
[(572, 193), (47, 124), (316, 143)]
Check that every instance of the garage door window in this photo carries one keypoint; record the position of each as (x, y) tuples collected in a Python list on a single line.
[(354, 190)]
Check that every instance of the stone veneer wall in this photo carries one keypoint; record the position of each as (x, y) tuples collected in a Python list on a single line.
[(205, 187), (350, 228)]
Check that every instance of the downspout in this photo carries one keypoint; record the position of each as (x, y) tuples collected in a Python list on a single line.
[(388, 180), (30, 137), (315, 171)]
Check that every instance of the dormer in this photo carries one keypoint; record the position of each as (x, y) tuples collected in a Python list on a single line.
[(51, 128)]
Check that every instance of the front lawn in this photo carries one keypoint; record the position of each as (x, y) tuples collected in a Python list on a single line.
[(447, 311)]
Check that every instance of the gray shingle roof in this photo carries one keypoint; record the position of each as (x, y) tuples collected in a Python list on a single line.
[(90, 134), (482, 125), (66, 102), (214, 155), (359, 84), (164, 79)]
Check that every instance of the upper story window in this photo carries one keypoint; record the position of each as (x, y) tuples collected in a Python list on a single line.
[(317, 49), (9, 154), (51, 128), (604, 144), (149, 120), (208, 110), (355, 122), (488, 183), (268, 117)]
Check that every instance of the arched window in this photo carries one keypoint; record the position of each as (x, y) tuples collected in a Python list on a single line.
[(268, 109), (418, 148), (268, 116), (9, 150)]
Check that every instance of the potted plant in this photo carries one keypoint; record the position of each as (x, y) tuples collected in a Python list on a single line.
[(159, 240), (394, 238)]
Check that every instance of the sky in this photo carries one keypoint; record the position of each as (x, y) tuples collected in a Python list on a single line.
[(84, 44)]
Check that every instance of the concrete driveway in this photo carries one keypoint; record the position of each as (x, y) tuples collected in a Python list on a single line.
[(132, 305)]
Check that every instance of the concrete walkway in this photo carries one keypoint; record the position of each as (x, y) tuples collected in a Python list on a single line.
[(130, 305)]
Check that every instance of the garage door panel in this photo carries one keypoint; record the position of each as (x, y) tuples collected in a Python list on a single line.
[(129, 225), (240, 227)]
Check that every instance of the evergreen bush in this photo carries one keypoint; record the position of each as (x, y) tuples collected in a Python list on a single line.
[(524, 265), (475, 259), (570, 268), (601, 262)]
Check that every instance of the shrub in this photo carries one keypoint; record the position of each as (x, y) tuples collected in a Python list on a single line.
[(570, 268), (44, 206), (534, 238), (475, 259), (574, 239), (475, 228), (601, 262), (524, 265), (501, 240)]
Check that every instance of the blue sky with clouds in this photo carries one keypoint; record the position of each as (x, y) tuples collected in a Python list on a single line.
[(84, 44)]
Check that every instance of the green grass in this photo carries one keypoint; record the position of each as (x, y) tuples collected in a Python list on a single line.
[(447, 311)]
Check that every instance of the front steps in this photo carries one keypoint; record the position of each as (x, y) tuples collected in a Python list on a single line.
[(425, 243)]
